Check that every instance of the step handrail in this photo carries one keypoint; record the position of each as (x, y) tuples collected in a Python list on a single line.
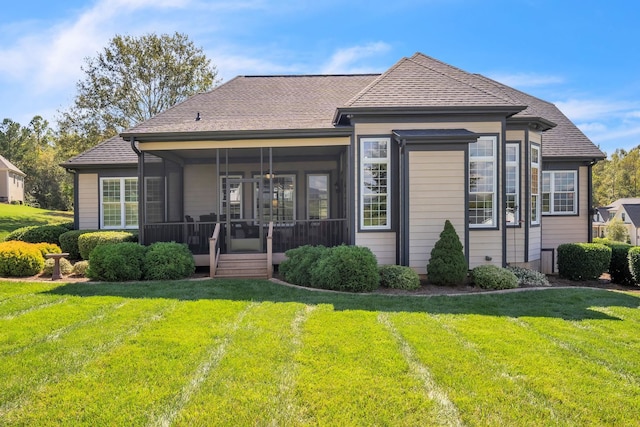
[(214, 250), (270, 251)]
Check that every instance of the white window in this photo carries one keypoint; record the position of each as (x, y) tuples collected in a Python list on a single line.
[(119, 202), (281, 205), (559, 192), (375, 200), (512, 179), (535, 184), (233, 199), (482, 182), (317, 196)]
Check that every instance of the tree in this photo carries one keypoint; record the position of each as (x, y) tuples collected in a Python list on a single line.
[(447, 265), (617, 231), (134, 79)]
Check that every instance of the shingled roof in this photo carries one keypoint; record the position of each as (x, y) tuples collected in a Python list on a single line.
[(249, 105), (6, 165), (114, 152)]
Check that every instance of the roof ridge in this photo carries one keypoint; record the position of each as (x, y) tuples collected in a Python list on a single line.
[(495, 82), (375, 82)]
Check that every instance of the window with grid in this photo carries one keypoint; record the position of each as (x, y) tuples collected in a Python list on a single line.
[(375, 200), (482, 182), (512, 181), (234, 197), (317, 196), (281, 205), (535, 184), (119, 202), (559, 192)]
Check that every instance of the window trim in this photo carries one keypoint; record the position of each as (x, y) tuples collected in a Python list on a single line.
[(123, 212), (223, 179), (552, 191), (536, 207), (361, 196), (328, 177), (494, 183), (516, 163)]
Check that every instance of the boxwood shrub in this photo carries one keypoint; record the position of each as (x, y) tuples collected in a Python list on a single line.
[(619, 265), (116, 262), (18, 233), (87, 242), (38, 233), (398, 277), (493, 277), (65, 267), (346, 268), (168, 261), (20, 259), (48, 248), (300, 262), (528, 277), (69, 242), (634, 263), (80, 268), (583, 261)]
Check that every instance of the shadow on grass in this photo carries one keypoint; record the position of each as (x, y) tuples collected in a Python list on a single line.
[(569, 304)]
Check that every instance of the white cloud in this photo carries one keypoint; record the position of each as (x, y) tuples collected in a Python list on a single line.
[(590, 109), (594, 127), (230, 65), (344, 60), (523, 80)]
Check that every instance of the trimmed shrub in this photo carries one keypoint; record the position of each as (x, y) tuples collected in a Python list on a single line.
[(48, 248), (634, 263), (116, 262), (65, 267), (493, 277), (447, 265), (583, 261), (18, 233), (168, 261), (300, 262), (68, 225), (39, 233), (69, 242), (80, 268), (527, 277), (20, 259), (346, 268), (399, 277), (87, 242), (619, 265)]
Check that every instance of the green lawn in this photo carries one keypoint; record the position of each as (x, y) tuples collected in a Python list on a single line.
[(16, 216), (256, 353)]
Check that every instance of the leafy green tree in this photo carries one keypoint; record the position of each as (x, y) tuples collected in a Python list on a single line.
[(617, 231), (134, 79)]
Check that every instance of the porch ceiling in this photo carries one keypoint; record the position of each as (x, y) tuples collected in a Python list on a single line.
[(254, 153)]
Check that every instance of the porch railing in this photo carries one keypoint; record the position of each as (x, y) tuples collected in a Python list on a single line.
[(195, 234), (292, 234)]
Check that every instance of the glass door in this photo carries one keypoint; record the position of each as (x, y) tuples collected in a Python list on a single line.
[(242, 234)]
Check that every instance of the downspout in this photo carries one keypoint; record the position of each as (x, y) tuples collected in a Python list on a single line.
[(590, 201), (403, 175), (140, 188), (76, 206)]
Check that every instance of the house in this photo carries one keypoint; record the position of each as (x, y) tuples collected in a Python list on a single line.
[(11, 182), (626, 210), (378, 160)]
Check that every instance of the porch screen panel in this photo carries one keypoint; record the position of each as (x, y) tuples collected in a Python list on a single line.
[(234, 201), (318, 196), (281, 205)]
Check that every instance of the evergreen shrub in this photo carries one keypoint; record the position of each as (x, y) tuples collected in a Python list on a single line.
[(300, 262), (619, 265), (66, 267), (168, 261), (634, 263), (528, 277), (116, 262), (447, 265), (493, 277), (20, 259), (38, 233), (80, 268), (399, 277), (583, 261), (87, 242), (69, 242), (346, 268)]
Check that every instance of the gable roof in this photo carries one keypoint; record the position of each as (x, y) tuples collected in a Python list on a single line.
[(633, 211), (114, 152), (6, 165), (624, 201)]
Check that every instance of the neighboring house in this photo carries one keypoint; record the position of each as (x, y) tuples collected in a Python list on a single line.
[(378, 160), (626, 210), (11, 182)]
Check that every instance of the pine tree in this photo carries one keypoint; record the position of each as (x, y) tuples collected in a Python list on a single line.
[(448, 265)]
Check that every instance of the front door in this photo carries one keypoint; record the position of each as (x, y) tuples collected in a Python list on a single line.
[(244, 231)]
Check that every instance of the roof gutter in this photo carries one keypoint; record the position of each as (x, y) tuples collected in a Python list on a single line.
[(237, 134)]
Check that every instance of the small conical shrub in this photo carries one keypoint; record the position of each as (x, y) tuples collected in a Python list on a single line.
[(447, 265)]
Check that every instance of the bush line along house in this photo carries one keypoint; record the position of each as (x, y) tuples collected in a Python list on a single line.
[(377, 160)]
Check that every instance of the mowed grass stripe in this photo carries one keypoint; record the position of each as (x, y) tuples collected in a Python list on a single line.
[(136, 381), (19, 303), (245, 387), (581, 391), (446, 410), (482, 390), (351, 372), (43, 365), (12, 289)]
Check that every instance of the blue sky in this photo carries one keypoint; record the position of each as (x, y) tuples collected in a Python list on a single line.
[(580, 54)]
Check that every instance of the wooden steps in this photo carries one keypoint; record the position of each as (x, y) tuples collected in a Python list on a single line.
[(245, 266)]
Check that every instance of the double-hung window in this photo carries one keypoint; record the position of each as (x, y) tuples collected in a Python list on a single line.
[(482, 183), (375, 200), (231, 196), (559, 192), (512, 178), (535, 184), (119, 202)]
